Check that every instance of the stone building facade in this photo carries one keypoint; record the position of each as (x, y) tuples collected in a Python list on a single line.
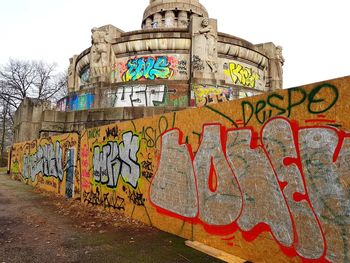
[(178, 59)]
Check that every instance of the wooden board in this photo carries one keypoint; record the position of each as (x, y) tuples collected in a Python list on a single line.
[(216, 253)]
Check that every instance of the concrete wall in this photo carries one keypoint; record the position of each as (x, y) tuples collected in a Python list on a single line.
[(265, 178), (33, 121)]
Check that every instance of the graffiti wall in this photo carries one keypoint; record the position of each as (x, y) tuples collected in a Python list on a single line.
[(155, 67), (262, 177), (51, 164), (202, 95), (242, 74), (145, 96), (76, 102), (266, 178)]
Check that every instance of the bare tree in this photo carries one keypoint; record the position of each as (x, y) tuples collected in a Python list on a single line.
[(20, 79), (6, 132), (61, 84), (49, 86)]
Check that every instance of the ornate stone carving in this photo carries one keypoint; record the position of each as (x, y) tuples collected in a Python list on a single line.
[(100, 52), (276, 68), (210, 44), (72, 74), (204, 47)]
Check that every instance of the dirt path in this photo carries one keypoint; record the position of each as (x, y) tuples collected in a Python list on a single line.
[(37, 226)]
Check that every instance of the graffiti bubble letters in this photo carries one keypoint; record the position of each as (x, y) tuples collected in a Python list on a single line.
[(243, 75), (47, 160), (292, 184), (115, 160), (139, 96), (149, 68)]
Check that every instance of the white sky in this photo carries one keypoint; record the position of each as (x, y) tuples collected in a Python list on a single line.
[(314, 34)]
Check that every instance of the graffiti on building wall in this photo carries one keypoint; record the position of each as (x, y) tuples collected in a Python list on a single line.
[(84, 164), (76, 102), (245, 94), (70, 167), (197, 63), (117, 166), (291, 184), (203, 95), (137, 96), (149, 68), (318, 100), (107, 200), (143, 96), (263, 172), (117, 159), (155, 67), (241, 74), (47, 161), (182, 67)]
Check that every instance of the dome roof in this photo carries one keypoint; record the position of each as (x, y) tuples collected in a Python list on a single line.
[(171, 13)]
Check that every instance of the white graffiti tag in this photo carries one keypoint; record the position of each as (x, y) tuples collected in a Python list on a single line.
[(47, 160), (116, 160)]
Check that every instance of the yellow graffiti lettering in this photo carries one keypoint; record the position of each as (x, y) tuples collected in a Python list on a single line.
[(242, 75), (206, 95), (202, 92)]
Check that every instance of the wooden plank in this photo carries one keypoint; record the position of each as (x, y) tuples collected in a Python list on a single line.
[(216, 253)]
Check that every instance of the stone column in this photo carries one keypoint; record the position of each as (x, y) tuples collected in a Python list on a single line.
[(148, 23), (157, 21), (170, 19), (183, 19)]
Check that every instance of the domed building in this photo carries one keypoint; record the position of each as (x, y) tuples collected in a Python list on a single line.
[(178, 59)]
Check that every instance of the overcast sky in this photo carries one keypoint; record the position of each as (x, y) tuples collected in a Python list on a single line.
[(314, 34)]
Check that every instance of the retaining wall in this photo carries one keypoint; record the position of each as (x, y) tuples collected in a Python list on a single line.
[(264, 178)]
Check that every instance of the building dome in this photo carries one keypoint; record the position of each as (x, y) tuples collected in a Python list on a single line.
[(171, 13)]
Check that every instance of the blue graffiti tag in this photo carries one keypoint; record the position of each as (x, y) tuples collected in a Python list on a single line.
[(148, 68)]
